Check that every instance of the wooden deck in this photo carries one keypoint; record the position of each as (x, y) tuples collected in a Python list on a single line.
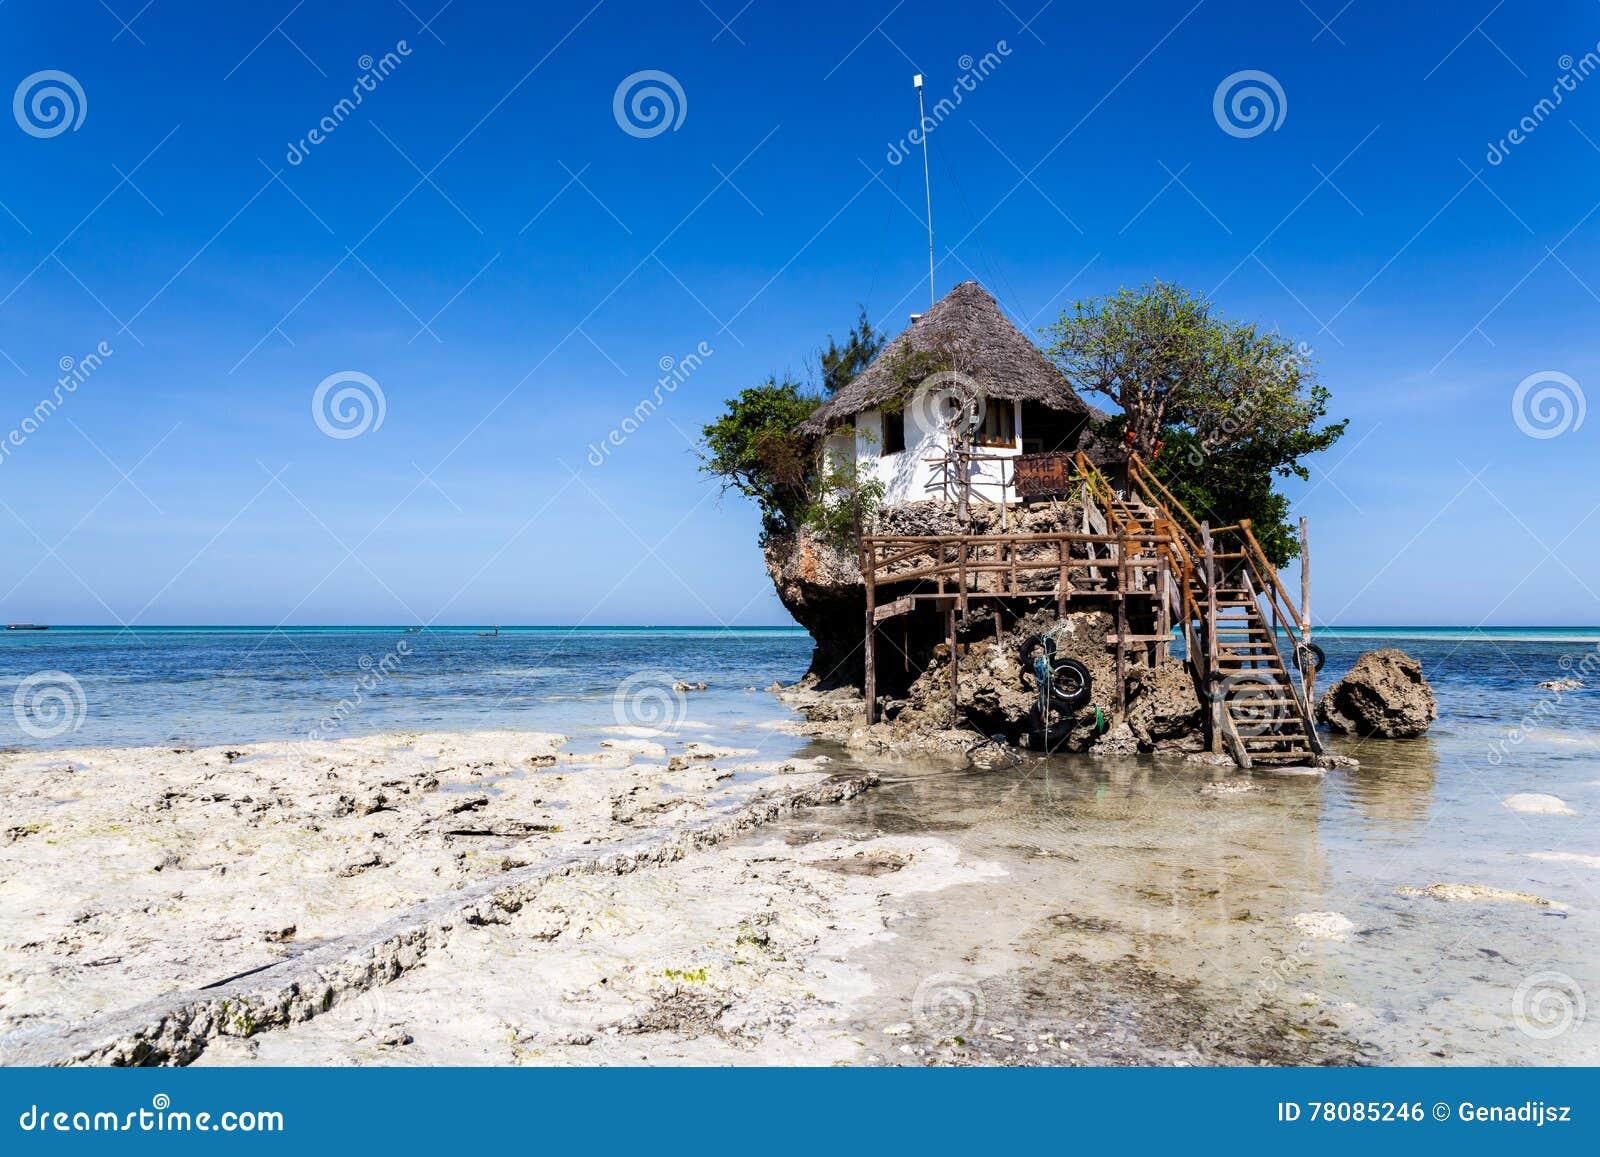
[(1214, 585)]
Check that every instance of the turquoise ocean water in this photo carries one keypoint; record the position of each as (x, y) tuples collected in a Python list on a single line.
[(197, 685)]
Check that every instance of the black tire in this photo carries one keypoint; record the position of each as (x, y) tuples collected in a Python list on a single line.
[(1318, 658), (1070, 684), (1025, 652)]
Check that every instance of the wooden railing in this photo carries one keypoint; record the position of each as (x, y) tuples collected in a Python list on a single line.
[(1004, 564), (1286, 618)]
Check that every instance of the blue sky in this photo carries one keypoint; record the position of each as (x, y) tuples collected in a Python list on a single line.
[(483, 240)]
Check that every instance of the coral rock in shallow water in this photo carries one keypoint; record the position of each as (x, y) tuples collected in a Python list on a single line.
[(1384, 695), (1536, 803)]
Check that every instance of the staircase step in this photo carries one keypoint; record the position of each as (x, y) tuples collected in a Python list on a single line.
[(1305, 758)]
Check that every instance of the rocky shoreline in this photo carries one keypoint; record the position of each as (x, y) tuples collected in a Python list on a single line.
[(497, 898)]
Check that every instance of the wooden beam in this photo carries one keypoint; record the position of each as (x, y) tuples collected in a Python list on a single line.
[(900, 606)]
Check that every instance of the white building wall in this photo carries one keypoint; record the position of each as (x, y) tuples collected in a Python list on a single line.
[(915, 474)]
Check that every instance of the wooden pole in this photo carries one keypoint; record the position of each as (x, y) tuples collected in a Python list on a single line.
[(870, 682), (1163, 608), (1212, 680), (1061, 577), (1120, 556), (1304, 581), (955, 685), (1305, 604)]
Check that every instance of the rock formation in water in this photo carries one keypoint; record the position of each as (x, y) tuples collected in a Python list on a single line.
[(1385, 695)]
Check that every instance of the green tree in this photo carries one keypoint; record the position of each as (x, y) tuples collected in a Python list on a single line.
[(1218, 408), (840, 363), (755, 450)]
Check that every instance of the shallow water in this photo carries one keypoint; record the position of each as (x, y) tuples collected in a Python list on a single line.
[(1111, 859), (200, 686), (1124, 861)]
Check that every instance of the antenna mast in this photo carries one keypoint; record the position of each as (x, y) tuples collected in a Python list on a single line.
[(927, 184)]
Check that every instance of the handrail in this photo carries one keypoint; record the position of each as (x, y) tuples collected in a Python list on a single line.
[(1138, 470), (960, 557), (1259, 562), (1296, 686)]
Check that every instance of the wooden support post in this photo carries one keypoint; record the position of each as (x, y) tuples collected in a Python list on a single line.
[(1213, 682), (1163, 608), (1122, 624), (1061, 577), (870, 682), (955, 673), (1310, 671), (961, 574)]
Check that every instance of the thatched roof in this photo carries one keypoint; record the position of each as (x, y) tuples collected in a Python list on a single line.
[(993, 352)]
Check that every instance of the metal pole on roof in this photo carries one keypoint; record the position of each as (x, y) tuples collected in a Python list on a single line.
[(927, 184)]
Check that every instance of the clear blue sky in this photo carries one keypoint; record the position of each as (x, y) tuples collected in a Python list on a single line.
[(483, 240)]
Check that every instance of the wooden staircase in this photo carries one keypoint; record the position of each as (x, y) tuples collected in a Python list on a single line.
[(1264, 715), (1232, 609)]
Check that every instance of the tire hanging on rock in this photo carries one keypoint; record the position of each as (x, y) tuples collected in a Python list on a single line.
[(1069, 681)]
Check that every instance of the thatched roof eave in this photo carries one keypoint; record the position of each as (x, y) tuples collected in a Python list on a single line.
[(998, 358)]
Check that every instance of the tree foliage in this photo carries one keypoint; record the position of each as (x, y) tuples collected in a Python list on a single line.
[(1219, 408), (847, 495), (755, 450), (840, 363)]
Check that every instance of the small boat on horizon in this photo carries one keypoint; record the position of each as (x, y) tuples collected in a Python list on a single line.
[(25, 627)]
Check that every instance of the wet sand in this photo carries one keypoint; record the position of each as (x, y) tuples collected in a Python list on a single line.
[(1064, 911)]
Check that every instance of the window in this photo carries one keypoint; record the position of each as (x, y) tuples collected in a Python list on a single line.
[(894, 432), (999, 424)]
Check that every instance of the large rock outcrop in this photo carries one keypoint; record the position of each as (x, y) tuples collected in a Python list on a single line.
[(997, 696), (820, 585), (1385, 695), (822, 588)]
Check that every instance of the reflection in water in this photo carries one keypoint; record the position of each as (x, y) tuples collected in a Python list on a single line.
[(1394, 787), (1141, 904), (1122, 875)]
